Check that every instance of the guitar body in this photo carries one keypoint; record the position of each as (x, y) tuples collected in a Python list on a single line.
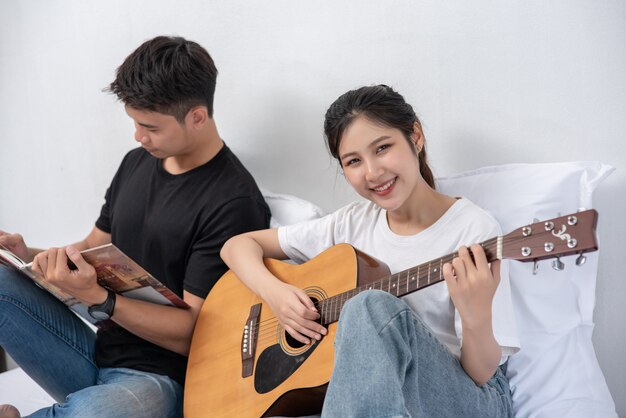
[(287, 377)]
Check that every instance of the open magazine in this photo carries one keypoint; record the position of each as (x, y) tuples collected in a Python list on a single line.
[(115, 270)]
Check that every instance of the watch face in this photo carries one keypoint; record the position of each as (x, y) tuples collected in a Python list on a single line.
[(103, 311), (99, 315)]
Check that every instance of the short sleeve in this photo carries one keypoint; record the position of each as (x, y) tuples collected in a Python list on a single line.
[(205, 266), (104, 220), (303, 241)]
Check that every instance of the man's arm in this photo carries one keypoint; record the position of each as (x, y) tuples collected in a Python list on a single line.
[(165, 326), (96, 238)]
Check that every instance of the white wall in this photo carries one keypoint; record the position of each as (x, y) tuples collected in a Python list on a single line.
[(493, 81)]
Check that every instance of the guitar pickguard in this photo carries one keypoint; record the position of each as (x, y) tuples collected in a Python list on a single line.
[(274, 366)]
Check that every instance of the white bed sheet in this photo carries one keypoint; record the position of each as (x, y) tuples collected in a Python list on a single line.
[(19, 390)]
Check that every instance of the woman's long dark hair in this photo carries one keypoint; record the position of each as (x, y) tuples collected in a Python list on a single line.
[(379, 104)]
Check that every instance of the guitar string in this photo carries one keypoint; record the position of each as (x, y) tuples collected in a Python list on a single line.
[(489, 245), (401, 283), (446, 258), (337, 299)]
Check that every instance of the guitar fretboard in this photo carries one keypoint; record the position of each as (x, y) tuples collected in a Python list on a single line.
[(398, 284)]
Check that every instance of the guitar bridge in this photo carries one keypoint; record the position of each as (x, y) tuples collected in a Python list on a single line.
[(249, 340)]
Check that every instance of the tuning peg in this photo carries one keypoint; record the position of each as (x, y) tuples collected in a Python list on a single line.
[(558, 265), (581, 259), (535, 267)]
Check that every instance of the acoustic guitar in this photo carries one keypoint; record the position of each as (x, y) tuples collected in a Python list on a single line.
[(243, 363)]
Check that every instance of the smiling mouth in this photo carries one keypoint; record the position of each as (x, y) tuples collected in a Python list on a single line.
[(385, 186)]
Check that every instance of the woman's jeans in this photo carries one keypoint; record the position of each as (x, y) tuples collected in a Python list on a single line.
[(388, 364), (57, 349)]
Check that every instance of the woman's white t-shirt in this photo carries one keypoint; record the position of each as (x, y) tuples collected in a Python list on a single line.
[(364, 226)]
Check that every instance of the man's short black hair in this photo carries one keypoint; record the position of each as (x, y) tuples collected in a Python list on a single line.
[(168, 75)]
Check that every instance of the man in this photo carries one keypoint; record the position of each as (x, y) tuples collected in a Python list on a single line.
[(171, 205)]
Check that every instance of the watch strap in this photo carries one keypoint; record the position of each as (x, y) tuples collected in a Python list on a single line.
[(107, 307)]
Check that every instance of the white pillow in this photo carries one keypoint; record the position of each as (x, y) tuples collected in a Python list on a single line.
[(556, 373), (287, 209)]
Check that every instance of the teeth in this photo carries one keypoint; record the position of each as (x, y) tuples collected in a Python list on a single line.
[(385, 186)]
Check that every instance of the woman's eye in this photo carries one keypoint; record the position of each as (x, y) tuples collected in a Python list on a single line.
[(350, 162), (382, 147)]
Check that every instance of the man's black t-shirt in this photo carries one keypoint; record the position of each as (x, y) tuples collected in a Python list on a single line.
[(174, 226)]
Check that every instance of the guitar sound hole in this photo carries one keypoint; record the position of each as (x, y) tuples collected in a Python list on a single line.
[(292, 342)]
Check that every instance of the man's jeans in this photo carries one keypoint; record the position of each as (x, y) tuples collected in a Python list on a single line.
[(388, 364), (56, 349)]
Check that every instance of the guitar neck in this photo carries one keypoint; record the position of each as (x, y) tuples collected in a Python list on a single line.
[(402, 283)]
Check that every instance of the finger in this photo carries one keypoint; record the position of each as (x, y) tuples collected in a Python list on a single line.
[(495, 270), (76, 257), (304, 319), (450, 277), (317, 330), (309, 329), (42, 258), (61, 261), (465, 255), (6, 238), (51, 257), (305, 312), (36, 266), (295, 334), (306, 300), (448, 271), (480, 259), (308, 309), (459, 267)]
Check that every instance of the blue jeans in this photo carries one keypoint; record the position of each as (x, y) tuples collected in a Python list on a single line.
[(388, 364), (57, 349)]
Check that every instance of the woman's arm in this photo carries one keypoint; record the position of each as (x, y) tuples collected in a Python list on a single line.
[(294, 309), (472, 285)]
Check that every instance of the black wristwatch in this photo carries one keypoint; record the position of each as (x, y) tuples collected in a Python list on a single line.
[(104, 310)]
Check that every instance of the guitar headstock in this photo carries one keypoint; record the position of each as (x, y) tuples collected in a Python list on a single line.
[(565, 235)]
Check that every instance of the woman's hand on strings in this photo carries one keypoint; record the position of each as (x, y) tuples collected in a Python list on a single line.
[(296, 313)]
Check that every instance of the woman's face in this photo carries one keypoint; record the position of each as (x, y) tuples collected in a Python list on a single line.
[(380, 163)]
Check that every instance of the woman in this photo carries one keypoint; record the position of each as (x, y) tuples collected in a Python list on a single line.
[(436, 352)]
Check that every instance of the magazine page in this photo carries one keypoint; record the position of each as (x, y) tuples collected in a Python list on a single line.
[(114, 270), (7, 257), (118, 272)]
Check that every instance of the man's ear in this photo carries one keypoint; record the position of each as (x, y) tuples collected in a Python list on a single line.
[(197, 116)]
